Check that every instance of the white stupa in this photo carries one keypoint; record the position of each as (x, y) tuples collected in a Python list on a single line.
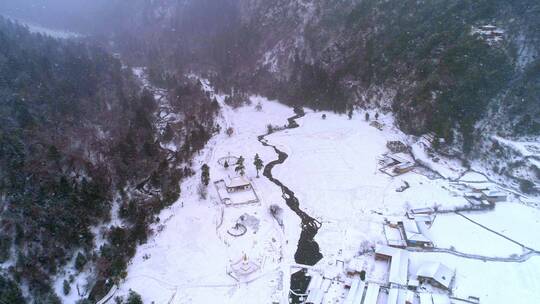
[(243, 268)]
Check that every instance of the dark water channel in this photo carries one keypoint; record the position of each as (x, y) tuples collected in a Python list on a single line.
[(307, 252)]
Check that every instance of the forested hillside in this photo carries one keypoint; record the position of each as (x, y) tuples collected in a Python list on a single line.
[(464, 70), (78, 140)]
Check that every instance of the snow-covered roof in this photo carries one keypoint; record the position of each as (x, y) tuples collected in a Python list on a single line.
[(398, 296), (385, 250), (394, 236), (440, 298), (238, 181), (399, 265), (372, 293), (494, 193), (314, 287), (425, 298), (405, 165), (356, 292), (401, 157), (399, 268), (473, 195), (425, 210), (413, 233), (393, 296), (436, 271), (424, 218)]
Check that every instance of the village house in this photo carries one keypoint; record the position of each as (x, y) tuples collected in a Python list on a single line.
[(494, 196), (396, 163), (400, 296), (399, 263), (394, 236), (372, 293), (236, 184), (403, 168), (413, 235), (436, 274), (427, 218)]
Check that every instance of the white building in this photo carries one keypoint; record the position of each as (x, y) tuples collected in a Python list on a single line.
[(413, 235), (494, 196), (436, 274), (399, 263), (238, 183)]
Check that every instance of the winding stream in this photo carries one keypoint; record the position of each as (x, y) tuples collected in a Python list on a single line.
[(307, 252)]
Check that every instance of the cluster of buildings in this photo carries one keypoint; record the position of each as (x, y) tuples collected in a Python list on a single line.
[(490, 33), (404, 288), (429, 284), (484, 197), (410, 230)]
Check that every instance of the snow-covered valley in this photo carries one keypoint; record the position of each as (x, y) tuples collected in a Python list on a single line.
[(272, 152), (333, 168)]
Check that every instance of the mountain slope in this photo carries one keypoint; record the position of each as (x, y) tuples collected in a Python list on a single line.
[(82, 158), (464, 70)]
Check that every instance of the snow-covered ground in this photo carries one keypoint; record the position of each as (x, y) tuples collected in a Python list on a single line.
[(492, 282), (333, 170), (188, 259)]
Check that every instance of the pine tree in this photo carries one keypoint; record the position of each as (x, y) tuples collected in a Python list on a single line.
[(323, 116), (240, 168), (226, 165), (367, 116), (66, 287), (258, 164), (134, 298), (205, 174), (168, 133), (376, 115), (80, 261), (299, 111)]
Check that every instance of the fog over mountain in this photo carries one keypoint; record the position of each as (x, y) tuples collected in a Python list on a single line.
[(99, 130)]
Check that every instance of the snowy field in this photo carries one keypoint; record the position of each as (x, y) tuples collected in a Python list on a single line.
[(492, 282), (517, 221), (455, 232), (332, 167)]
